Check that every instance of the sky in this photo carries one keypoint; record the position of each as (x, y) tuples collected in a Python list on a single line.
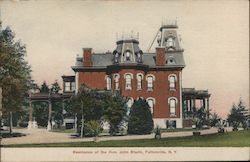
[(214, 34)]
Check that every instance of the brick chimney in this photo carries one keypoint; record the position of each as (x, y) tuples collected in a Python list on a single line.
[(160, 56), (87, 61)]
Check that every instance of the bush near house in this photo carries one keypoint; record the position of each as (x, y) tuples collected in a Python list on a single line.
[(140, 120), (92, 128)]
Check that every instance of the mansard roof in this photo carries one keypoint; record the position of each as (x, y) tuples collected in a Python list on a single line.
[(102, 60), (128, 53)]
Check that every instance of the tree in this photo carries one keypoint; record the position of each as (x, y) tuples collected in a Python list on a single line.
[(41, 107), (236, 116), (114, 111), (86, 105), (15, 78), (140, 120), (40, 112), (214, 119), (200, 117), (55, 87), (57, 113), (44, 88)]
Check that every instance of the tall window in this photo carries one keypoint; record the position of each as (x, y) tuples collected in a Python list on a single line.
[(108, 81), (150, 80), (172, 105), (129, 104), (128, 80), (139, 81), (170, 42), (117, 77), (172, 81), (151, 103), (67, 87)]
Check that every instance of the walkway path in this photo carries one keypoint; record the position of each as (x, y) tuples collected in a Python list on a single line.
[(43, 136)]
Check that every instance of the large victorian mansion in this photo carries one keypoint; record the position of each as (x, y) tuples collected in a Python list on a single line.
[(155, 77)]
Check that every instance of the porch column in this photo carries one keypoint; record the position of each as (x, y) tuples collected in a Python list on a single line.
[(190, 104), (63, 112), (207, 107), (49, 126), (30, 124), (194, 104)]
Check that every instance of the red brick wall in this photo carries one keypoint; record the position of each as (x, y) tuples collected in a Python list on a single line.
[(93, 79), (87, 61), (161, 91), (160, 56)]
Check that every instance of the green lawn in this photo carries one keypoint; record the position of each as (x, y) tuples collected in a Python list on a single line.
[(6, 134), (63, 130), (231, 139)]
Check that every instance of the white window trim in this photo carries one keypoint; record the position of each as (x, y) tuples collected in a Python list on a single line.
[(172, 75), (170, 98), (118, 76), (137, 75), (153, 99), (142, 77), (126, 88), (147, 76), (132, 76), (110, 77), (175, 76)]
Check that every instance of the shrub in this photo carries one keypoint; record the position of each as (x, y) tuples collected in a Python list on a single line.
[(140, 120), (92, 128)]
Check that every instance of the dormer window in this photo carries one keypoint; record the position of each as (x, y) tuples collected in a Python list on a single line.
[(170, 61), (139, 57), (170, 42), (116, 57), (128, 55)]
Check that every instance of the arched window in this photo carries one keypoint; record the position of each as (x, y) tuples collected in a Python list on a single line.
[(172, 106), (172, 81), (116, 78), (127, 55), (150, 80), (108, 82), (170, 42), (129, 104), (151, 103), (139, 78), (116, 57), (128, 80)]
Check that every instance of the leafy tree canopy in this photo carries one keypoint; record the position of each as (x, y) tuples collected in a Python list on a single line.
[(114, 111), (44, 88), (15, 78), (140, 120), (55, 87), (236, 116)]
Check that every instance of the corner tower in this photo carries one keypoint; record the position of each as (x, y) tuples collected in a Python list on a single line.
[(168, 38)]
